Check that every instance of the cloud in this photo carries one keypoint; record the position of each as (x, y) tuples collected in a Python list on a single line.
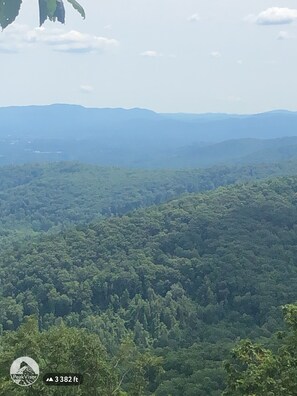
[(283, 35), (274, 16), (20, 37), (215, 54), (6, 49), (15, 38), (239, 61), (194, 18), (151, 54), (156, 54), (74, 41), (85, 88)]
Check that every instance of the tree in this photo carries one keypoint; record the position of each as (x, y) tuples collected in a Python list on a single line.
[(256, 371), (63, 349), (136, 369), (48, 9), (60, 349)]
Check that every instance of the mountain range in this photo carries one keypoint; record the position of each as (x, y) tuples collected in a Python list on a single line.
[(142, 138)]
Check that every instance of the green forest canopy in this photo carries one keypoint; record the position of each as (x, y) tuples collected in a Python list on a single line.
[(251, 368), (80, 352), (42, 197), (184, 279), (255, 370)]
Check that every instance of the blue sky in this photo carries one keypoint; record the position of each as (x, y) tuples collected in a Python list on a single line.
[(166, 55)]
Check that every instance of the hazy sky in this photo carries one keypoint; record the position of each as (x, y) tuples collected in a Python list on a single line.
[(166, 55)]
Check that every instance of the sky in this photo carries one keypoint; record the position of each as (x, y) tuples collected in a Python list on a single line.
[(190, 56)]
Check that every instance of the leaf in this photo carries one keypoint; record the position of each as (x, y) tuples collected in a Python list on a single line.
[(51, 8), (9, 10), (78, 7), (60, 11), (42, 11)]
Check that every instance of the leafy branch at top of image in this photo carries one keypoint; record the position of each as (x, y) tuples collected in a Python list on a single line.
[(53, 10)]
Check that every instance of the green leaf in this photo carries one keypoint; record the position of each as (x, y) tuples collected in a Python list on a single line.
[(60, 11), (51, 8), (9, 10), (78, 7), (42, 11)]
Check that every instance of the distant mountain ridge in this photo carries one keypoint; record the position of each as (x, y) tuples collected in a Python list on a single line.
[(142, 138), (237, 151), (74, 121)]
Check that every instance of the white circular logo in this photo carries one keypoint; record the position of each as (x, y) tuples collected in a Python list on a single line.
[(24, 371)]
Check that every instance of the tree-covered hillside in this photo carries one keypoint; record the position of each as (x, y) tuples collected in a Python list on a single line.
[(41, 197), (132, 152), (240, 151), (255, 370), (186, 279)]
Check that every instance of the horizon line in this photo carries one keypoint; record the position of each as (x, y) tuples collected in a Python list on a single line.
[(209, 113)]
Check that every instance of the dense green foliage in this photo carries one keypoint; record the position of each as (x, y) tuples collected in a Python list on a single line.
[(257, 371), (48, 196), (79, 352), (186, 278)]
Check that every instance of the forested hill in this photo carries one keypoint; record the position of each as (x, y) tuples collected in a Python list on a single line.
[(187, 278), (41, 197)]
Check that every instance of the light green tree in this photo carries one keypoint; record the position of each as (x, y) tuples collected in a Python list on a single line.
[(63, 349), (254, 370), (58, 350)]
